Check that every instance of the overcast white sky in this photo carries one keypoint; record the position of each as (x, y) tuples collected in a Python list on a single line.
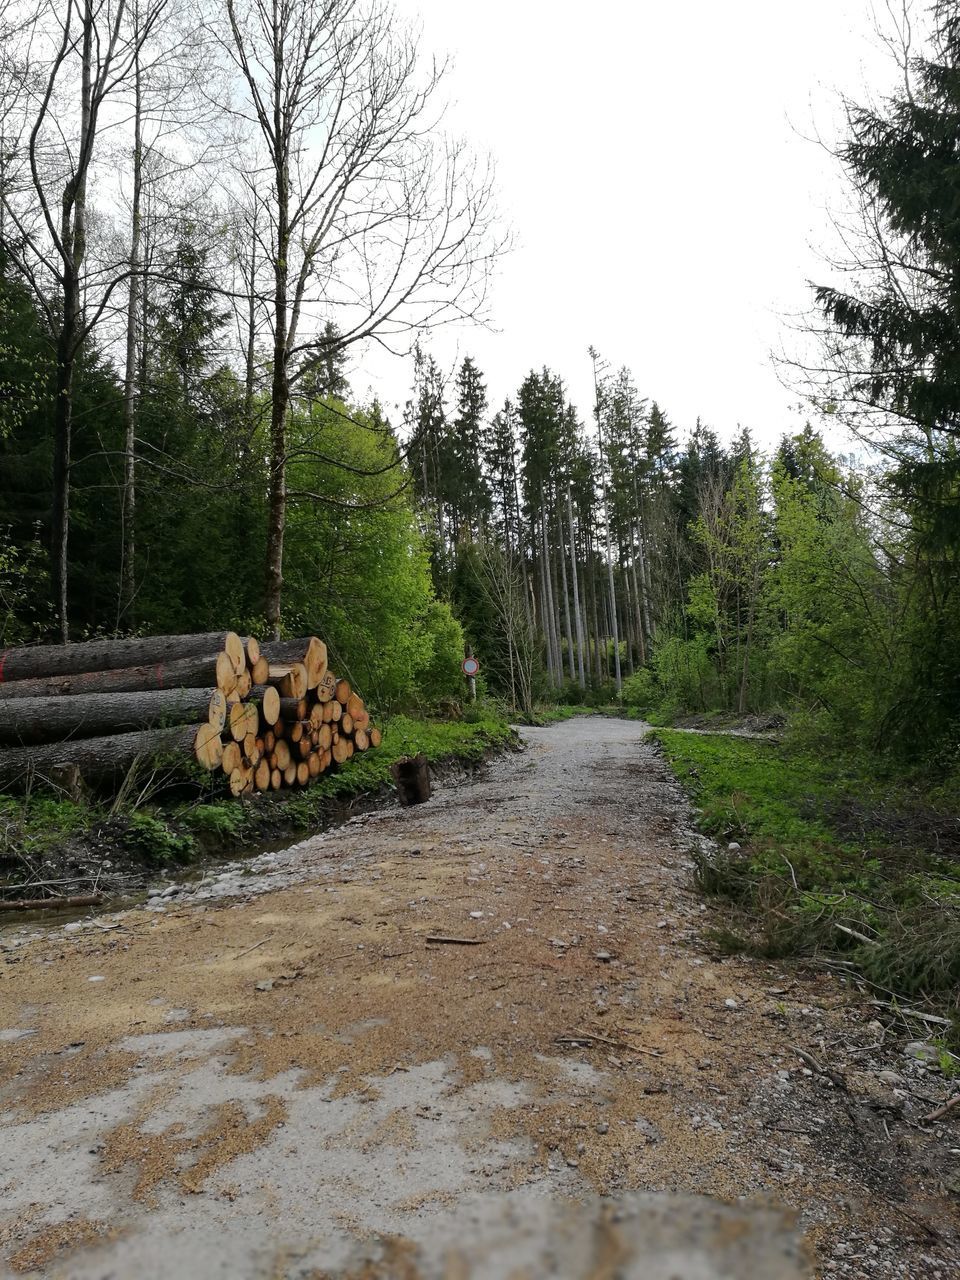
[(664, 202)]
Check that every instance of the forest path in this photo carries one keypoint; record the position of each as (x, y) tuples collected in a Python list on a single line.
[(246, 1083)]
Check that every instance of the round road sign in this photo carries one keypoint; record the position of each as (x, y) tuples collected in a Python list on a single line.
[(470, 667)]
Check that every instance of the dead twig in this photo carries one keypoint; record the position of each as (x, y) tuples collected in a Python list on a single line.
[(253, 948), (456, 942), (818, 1069), (581, 1037)]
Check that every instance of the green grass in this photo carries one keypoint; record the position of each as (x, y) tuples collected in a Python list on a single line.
[(178, 831), (826, 848)]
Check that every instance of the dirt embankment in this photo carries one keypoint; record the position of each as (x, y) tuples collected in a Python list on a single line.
[(505, 991)]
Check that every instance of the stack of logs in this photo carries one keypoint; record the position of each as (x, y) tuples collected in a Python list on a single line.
[(96, 710)]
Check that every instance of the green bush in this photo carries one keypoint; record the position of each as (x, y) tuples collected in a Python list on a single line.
[(216, 824), (441, 637), (156, 841), (641, 690)]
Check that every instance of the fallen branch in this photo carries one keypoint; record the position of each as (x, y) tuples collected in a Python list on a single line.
[(912, 1013), (942, 1111), (253, 948), (581, 1037), (457, 942), (52, 904), (853, 933), (833, 1076)]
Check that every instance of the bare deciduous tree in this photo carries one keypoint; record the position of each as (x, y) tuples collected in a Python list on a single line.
[(369, 217), (65, 65)]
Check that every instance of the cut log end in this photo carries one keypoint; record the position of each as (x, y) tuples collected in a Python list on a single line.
[(217, 714), (233, 648), (207, 747)]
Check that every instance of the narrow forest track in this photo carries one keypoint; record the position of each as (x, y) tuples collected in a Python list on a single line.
[(242, 1083)]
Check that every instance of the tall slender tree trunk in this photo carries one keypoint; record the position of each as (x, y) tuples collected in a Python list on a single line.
[(576, 591), (62, 428), (280, 399), (73, 234), (628, 612), (571, 655), (544, 618), (128, 578), (249, 375), (555, 664), (638, 605), (598, 659), (613, 610)]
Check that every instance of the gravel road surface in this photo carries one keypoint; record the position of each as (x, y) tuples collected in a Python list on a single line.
[(493, 1022)]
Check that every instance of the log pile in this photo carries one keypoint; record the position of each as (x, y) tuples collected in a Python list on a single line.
[(93, 711)]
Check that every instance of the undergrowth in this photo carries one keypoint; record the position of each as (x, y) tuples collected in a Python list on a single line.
[(169, 830), (831, 859)]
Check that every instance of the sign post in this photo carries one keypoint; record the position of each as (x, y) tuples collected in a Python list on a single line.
[(470, 668)]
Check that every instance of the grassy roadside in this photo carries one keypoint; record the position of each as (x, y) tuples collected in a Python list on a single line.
[(41, 834), (554, 713), (816, 856)]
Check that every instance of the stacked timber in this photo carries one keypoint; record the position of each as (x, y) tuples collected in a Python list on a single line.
[(96, 710)]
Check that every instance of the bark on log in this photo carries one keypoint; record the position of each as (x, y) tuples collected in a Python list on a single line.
[(29, 721), (32, 662), (98, 759), (186, 673), (52, 904)]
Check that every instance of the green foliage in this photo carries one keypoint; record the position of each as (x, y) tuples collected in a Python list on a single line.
[(217, 824), (33, 824), (439, 674), (641, 690), (358, 570), (156, 841)]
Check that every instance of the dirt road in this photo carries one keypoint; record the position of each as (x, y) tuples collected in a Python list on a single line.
[(244, 1079)]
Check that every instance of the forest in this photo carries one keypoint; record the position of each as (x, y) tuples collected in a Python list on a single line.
[(206, 210)]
